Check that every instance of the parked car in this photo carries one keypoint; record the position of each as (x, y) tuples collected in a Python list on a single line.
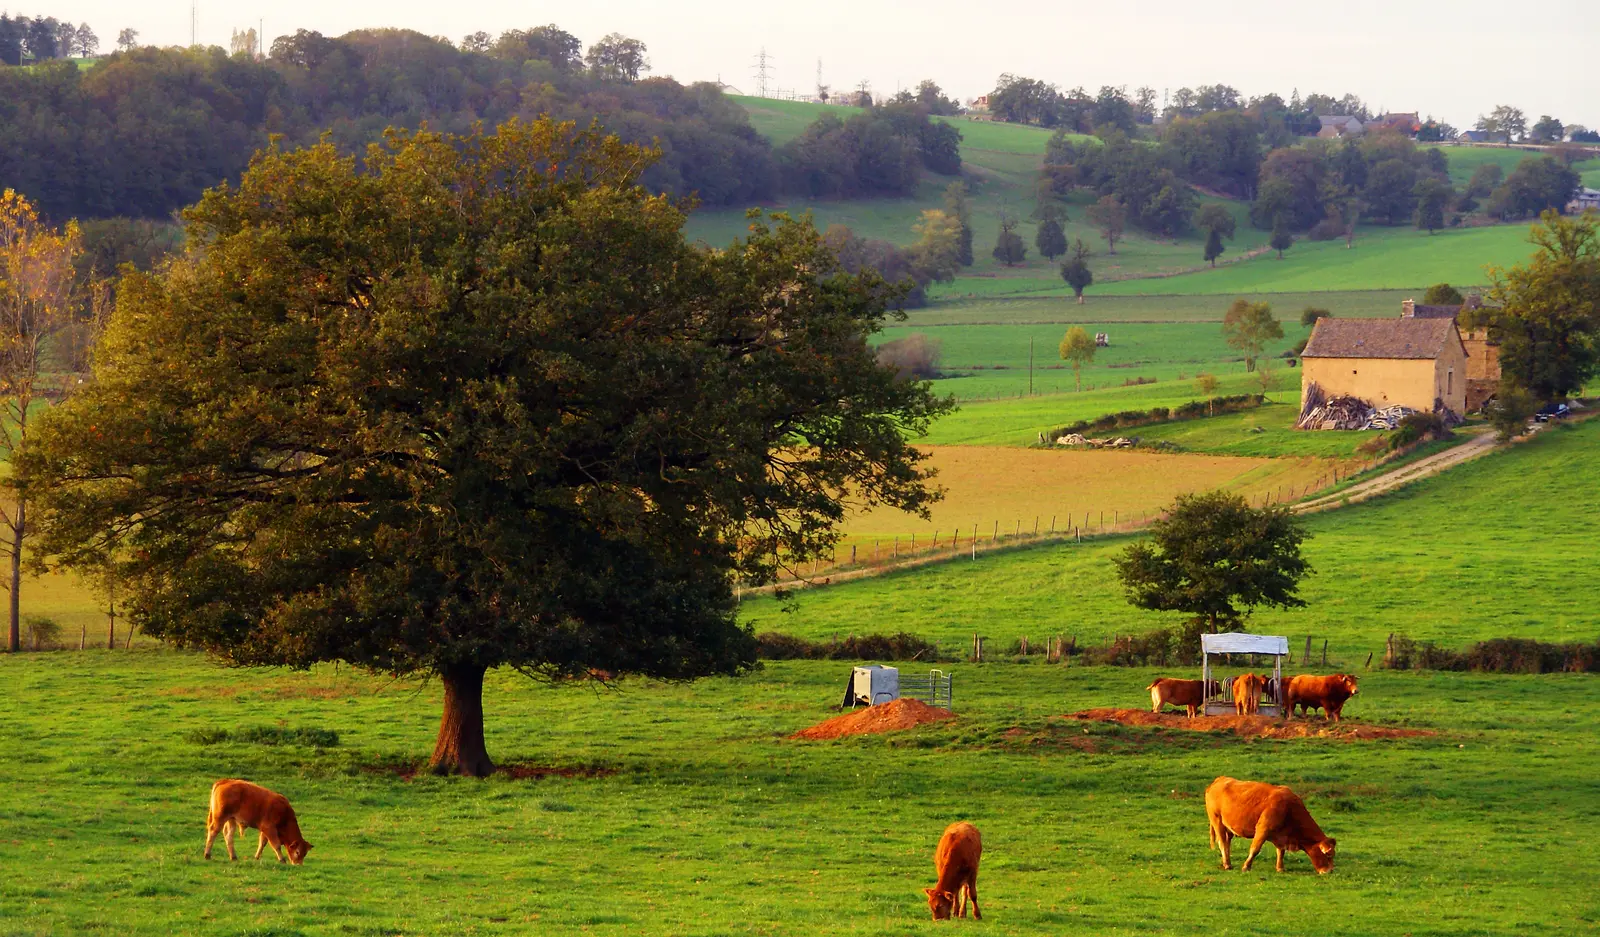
[(1551, 410)]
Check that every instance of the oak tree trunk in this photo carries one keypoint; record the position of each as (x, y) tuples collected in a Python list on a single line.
[(460, 749)]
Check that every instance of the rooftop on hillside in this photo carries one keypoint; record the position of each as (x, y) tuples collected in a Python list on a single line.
[(1380, 338)]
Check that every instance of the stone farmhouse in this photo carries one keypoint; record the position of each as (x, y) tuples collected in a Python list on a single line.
[(1483, 356), (1409, 362)]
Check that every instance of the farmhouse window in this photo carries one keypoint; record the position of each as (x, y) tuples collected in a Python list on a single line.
[(1450, 381)]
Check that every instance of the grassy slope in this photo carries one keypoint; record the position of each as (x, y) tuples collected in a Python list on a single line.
[(1384, 258), (1497, 547), (716, 824), (1001, 163), (1112, 310)]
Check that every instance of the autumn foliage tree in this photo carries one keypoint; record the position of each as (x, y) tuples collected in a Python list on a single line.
[(473, 402), (1248, 327), (36, 305)]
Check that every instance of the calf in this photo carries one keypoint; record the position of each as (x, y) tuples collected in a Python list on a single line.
[(237, 804), (1330, 693), (955, 864), (1247, 693), (1264, 812), (1189, 694)]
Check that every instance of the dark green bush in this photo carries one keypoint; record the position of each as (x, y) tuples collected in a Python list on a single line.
[(267, 735), (1500, 655), (771, 645)]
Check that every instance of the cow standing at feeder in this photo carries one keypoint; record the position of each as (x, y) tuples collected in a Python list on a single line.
[(1330, 693), (1247, 693), (1190, 694)]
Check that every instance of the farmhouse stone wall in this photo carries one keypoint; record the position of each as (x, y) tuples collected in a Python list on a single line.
[(1387, 382)]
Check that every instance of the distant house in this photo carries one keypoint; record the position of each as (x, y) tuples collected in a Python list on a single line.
[(1583, 199), (1408, 124), (1483, 355), (978, 108), (1481, 136), (1410, 362), (1340, 125)]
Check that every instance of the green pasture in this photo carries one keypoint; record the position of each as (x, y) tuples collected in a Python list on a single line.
[(1465, 159), (713, 822), (1265, 431), (1497, 547), (1114, 310), (982, 361), (1018, 421), (1384, 258)]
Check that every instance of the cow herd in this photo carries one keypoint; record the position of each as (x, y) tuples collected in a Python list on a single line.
[(1301, 694), (1266, 813)]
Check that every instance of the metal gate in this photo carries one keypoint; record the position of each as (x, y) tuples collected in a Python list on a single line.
[(935, 689)]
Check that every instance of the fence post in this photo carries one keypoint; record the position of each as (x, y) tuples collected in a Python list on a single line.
[(1305, 660), (1369, 662), (1388, 652), (1324, 652), (996, 535), (852, 554), (1052, 523)]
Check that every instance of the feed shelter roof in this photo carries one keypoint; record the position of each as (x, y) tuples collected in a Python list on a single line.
[(1236, 642), (1380, 338)]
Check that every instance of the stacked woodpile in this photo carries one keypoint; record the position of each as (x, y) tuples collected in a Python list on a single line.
[(1388, 417), (1074, 439), (1337, 413)]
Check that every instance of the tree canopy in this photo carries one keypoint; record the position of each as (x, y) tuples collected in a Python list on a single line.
[(1212, 554), (1248, 327), (473, 402), (1545, 314)]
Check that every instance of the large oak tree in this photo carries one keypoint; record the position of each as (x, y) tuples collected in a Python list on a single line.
[(473, 402)]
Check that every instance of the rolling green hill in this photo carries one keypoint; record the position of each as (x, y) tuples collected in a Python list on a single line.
[(1475, 553)]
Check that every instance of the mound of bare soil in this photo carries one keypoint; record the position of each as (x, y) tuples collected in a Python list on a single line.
[(885, 717), (1250, 726)]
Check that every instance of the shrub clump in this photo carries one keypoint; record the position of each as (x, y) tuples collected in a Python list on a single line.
[(1418, 427), (771, 645), (267, 735), (1163, 646), (1131, 418), (1499, 655), (43, 634)]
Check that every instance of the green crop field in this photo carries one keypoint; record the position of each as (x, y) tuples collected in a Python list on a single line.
[(1497, 547), (705, 820)]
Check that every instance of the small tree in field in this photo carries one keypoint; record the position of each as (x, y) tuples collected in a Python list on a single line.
[(1218, 223), (1310, 315), (1075, 269), (1008, 246), (1281, 240), (1050, 240), (472, 403), (1212, 554), (1248, 327), (1443, 294), (1077, 348), (1205, 384), (1110, 216)]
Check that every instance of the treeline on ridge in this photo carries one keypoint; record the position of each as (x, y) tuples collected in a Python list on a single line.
[(146, 130)]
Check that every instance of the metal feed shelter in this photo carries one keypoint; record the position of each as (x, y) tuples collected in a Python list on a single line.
[(1220, 701)]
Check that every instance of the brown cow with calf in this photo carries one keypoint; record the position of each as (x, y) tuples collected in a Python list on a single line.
[(237, 804), (1265, 813), (955, 863), (1313, 692)]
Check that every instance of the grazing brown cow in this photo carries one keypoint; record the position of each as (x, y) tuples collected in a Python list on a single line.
[(1247, 693), (1264, 812), (1330, 693), (1185, 693), (955, 863), (237, 804)]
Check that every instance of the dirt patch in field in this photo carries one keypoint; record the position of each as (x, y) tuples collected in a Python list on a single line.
[(887, 717), (1250, 726)]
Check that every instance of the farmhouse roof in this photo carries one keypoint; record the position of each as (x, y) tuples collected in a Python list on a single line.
[(1423, 311), (1380, 338), (1237, 642)]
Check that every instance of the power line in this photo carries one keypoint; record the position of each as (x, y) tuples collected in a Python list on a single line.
[(762, 73)]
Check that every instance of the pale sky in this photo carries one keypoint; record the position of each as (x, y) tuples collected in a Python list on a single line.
[(1455, 59)]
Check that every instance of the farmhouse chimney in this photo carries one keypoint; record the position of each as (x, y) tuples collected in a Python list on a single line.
[(1408, 309)]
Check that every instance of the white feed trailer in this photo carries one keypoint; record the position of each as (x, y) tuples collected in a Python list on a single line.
[(1219, 699), (874, 684)]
